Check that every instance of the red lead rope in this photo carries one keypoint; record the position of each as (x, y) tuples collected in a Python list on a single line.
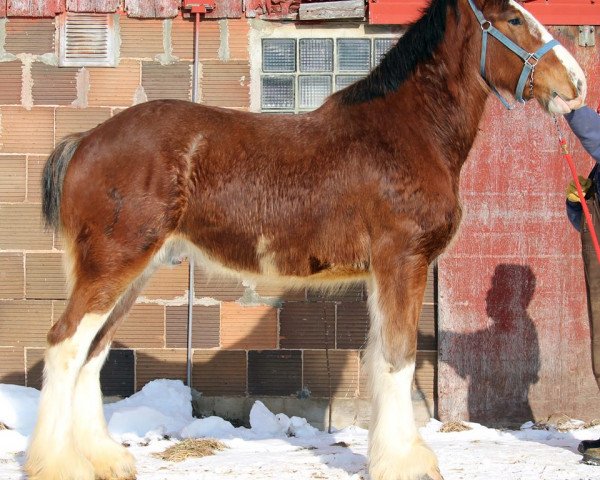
[(586, 212)]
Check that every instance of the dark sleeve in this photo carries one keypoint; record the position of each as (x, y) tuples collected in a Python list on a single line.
[(585, 123), (574, 213)]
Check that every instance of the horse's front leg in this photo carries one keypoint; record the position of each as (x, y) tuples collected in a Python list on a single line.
[(396, 450)]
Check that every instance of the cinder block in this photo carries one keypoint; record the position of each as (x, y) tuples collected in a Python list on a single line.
[(209, 39), (27, 131), (205, 326), (341, 376), (30, 35), (12, 277), (219, 372), (352, 325), (141, 38), (11, 82), (167, 81), (226, 84), (248, 327), (73, 120), (35, 167), (12, 178), (160, 363), (12, 365), (21, 228), (274, 372), (216, 287), (143, 327), (117, 376), (168, 283), (53, 85), (307, 325), (44, 276), (25, 323), (114, 86), (239, 38)]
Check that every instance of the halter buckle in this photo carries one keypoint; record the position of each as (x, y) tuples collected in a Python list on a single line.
[(532, 60), (485, 25)]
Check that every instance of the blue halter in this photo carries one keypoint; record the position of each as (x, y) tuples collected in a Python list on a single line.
[(530, 59)]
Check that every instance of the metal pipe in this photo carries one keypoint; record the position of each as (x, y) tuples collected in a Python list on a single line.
[(190, 258)]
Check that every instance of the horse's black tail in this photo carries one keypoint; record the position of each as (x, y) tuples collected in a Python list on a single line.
[(53, 176)]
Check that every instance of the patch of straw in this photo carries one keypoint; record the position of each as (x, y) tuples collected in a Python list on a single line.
[(561, 423), (592, 423), (454, 427), (191, 448), (3, 426)]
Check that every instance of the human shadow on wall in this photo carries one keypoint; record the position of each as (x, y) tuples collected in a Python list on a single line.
[(502, 361)]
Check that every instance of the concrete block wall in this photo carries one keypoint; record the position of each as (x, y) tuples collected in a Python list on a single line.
[(248, 339)]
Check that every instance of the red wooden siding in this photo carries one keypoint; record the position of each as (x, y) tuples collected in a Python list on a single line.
[(2, 8), (395, 11), (34, 8), (93, 6), (566, 12), (152, 8), (226, 9), (513, 331), (549, 12)]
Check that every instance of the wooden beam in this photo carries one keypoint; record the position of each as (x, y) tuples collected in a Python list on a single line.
[(354, 9)]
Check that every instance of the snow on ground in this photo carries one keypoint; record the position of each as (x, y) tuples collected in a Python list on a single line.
[(279, 447)]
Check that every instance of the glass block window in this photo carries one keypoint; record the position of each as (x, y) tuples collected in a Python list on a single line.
[(279, 55), (316, 55), (382, 45), (354, 54), (314, 89), (299, 74)]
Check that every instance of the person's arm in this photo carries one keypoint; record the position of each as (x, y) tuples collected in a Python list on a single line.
[(585, 123)]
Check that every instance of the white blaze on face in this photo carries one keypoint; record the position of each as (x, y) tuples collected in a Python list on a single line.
[(575, 72)]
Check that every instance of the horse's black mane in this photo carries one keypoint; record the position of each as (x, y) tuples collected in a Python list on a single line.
[(415, 46)]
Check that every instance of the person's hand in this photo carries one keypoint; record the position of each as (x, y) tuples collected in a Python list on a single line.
[(572, 195)]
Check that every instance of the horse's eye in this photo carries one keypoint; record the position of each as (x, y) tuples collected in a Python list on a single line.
[(515, 21)]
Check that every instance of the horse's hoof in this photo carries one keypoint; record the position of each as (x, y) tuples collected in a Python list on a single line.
[(115, 463), (68, 465)]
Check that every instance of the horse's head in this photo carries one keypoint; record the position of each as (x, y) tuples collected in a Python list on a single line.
[(522, 57)]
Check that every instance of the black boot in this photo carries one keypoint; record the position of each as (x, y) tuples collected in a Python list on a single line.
[(590, 449)]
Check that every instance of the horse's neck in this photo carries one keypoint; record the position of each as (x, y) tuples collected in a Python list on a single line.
[(448, 94)]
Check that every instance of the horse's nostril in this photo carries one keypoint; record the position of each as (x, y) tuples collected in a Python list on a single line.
[(579, 87)]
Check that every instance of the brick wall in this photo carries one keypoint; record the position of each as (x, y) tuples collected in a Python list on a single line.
[(248, 339)]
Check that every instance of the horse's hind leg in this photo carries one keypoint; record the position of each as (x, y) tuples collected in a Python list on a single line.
[(396, 451), (70, 411), (52, 453), (109, 459)]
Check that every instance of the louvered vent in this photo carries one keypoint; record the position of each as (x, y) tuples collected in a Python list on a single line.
[(87, 40)]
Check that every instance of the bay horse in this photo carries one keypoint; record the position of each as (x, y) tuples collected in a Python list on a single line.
[(363, 188)]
